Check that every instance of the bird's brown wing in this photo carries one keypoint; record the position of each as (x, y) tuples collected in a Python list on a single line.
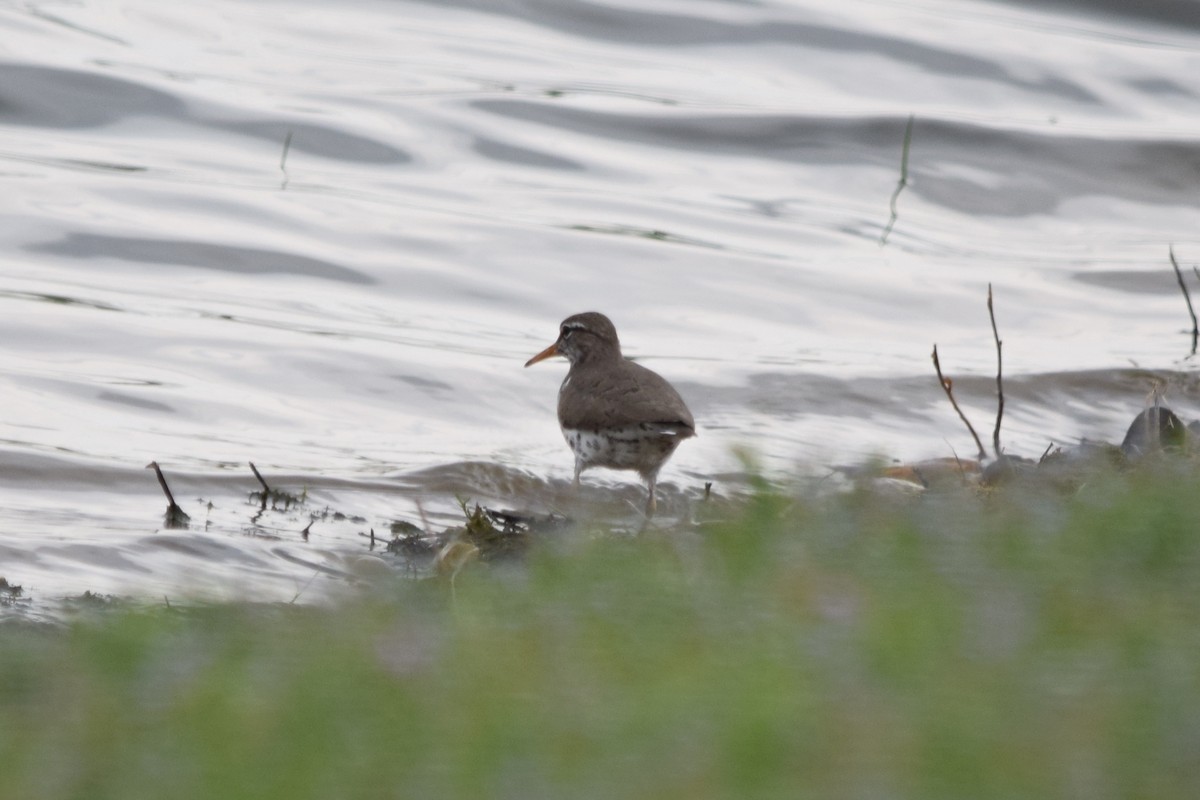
[(630, 395)]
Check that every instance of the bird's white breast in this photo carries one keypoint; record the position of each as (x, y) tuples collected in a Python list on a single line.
[(640, 447)]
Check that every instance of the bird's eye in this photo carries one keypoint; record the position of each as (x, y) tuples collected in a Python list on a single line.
[(566, 332)]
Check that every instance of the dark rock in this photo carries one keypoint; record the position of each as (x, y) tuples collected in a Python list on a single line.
[(1156, 428)]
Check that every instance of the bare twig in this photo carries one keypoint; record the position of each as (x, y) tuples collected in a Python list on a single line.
[(962, 471), (162, 481), (902, 182), (948, 388), (1046, 452), (999, 376), (257, 474), (175, 516), (1187, 297), (266, 492), (304, 588)]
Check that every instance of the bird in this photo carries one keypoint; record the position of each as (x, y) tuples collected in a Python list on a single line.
[(615, 413)]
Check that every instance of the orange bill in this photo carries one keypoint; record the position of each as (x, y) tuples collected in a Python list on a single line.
[(552, 350)]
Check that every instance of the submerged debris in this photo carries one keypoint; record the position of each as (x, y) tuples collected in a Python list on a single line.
[(276, 497), (486, 534), (94, 600), (409, 540), (482, 532), (513, 521), (1007, 468), (12, 595)]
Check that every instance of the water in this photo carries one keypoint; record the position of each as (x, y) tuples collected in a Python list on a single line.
[(350, 310)]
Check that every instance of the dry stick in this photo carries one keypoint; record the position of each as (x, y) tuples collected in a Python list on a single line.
[(1187, 297), (173, 508), (162, 481), (999, 378), (902, 182), (962, 472), (304, 588), (266, 492), (1045, 453), (948, 388), (257, 474)]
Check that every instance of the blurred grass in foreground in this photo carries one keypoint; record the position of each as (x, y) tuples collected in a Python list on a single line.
[(1011, 644)]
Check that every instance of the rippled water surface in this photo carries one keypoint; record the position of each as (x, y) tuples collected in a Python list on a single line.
[(326, 237)]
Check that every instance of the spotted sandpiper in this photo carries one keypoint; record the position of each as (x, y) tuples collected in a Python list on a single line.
[(614, 413)]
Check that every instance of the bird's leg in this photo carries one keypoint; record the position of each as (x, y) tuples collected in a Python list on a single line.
[(578, 469), (651, 504)]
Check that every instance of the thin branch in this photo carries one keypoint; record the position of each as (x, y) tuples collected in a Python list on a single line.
[(175, 516), (948, 388), (266, 492), (162, 481), (902, 182), (999, 376), (257, 474), (304, 588), (1187, 297)]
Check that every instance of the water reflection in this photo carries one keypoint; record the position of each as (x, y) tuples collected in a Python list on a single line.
[(461, 176), (206, 255)]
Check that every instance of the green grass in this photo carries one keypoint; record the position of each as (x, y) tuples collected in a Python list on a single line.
[(1011, 644)]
